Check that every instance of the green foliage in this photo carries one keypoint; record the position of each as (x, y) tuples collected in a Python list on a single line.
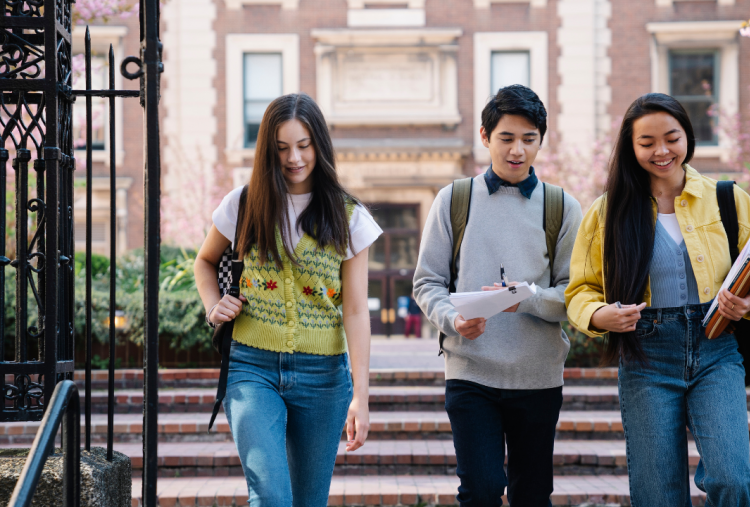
[(585, 352), (102, 363), (181, 312), (99, 264)]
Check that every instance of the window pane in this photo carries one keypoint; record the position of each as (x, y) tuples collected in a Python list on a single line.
[(509, 68), (377, 254), (262, 76), (703, 123), (693, 81), (693, 74), (262, 85), (395, 218), (254, 109), (403, 252)]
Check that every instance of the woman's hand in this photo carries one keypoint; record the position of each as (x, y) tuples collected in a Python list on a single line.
[(227, 309), (499, 286), (617, 320), (733, 307), (357, 423)]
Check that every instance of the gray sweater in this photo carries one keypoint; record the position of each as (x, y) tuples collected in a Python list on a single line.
[(522, 350)]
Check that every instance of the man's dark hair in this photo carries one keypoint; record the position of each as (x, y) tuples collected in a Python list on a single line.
[(516, 100)]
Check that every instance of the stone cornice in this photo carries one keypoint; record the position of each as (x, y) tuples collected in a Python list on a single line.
[(397, 37)]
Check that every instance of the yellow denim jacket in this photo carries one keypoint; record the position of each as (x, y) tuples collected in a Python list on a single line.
[(697, 211)]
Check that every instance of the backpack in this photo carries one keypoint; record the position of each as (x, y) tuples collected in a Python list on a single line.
[(728, 210), (552, 218)]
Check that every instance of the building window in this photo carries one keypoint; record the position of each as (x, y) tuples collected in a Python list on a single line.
[(508, 68), (502, 59), (693, 80), (263, 83)]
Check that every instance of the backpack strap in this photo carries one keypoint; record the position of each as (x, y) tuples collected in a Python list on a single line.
[(460, 203), (728, 210), (228, 327), (552, 219)]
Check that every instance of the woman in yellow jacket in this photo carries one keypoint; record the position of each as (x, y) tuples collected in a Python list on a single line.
[(650, 256)]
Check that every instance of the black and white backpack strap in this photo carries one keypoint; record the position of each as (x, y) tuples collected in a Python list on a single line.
[(224, 270)]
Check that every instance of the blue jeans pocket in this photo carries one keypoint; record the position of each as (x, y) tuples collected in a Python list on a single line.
[(646, 328)]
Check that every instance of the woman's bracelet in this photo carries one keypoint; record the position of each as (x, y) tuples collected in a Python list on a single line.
[(208, 314)]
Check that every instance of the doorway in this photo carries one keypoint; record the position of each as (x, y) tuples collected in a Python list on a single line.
[(392, 261)]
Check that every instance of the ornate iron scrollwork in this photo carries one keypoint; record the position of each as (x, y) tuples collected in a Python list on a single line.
[(36, 133)]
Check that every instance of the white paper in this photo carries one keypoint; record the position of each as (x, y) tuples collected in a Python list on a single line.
[(733, 273), (485, 304)]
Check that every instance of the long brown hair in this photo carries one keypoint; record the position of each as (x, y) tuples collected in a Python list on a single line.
[(629, 222), (325, 219)]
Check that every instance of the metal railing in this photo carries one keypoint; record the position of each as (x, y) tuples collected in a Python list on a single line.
[(64, 407), (36, 100)]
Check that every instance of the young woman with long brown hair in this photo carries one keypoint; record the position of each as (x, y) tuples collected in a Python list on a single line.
[(304, 241), (650, 256)]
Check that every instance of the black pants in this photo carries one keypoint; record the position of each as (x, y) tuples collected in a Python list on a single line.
[(483, 420)]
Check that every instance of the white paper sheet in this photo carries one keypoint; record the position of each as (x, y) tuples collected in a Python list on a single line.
[(485, 304)]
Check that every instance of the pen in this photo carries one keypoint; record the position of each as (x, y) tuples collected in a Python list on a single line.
[(502, 276), (618, 305)]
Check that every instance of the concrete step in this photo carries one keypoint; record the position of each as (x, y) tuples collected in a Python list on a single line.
[(383, 457), (192, 427), (382, 398), (429, 490)]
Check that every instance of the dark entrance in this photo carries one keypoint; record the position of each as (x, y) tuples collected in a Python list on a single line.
[(393, 258)]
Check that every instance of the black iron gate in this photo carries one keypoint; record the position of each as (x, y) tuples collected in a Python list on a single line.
[(36, 127)]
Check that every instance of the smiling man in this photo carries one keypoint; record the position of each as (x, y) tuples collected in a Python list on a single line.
[(504, 375)]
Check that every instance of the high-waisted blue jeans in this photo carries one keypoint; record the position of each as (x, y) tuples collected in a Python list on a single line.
[(287, 413), (689, 381)]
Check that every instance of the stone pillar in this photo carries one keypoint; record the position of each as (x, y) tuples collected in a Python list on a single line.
[(103, 484)]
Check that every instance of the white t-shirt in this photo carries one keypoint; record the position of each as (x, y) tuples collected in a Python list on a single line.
[(670, 223), (362, 227)]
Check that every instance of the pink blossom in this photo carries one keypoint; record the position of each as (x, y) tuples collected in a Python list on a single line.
[(88, 11)]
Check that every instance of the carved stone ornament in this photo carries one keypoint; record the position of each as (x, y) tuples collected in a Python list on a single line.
[(388, 77)]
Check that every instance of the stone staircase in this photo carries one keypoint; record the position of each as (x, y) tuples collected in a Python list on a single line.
[(408, 459)]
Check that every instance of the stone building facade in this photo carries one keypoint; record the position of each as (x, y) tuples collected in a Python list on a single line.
[(402, 84)]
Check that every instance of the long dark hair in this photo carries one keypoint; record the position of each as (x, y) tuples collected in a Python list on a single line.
[(325, 219), (629, 222)]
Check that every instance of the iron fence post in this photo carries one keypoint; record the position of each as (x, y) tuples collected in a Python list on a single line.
[(152, 67)]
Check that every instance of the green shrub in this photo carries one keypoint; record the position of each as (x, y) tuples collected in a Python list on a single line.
[(585, 352), (99, 264), (181, 312)]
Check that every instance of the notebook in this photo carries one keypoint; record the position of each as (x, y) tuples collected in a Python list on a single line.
[(738, 283)]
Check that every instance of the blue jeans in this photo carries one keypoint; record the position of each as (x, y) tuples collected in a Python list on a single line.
[(287, 413), (690, 381), (483, 420)]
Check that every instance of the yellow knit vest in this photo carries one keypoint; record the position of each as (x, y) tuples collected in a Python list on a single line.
[(296, 308)]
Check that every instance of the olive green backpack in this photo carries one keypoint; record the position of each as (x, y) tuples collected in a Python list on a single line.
[(552, 218)]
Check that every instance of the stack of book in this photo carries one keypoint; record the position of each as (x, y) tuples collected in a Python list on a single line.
[(738, 283)]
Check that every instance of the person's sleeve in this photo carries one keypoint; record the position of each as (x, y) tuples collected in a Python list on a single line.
[(225, 215), (585, 292), (432, 276), (742, 202), (363, 230), (549, 304)]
